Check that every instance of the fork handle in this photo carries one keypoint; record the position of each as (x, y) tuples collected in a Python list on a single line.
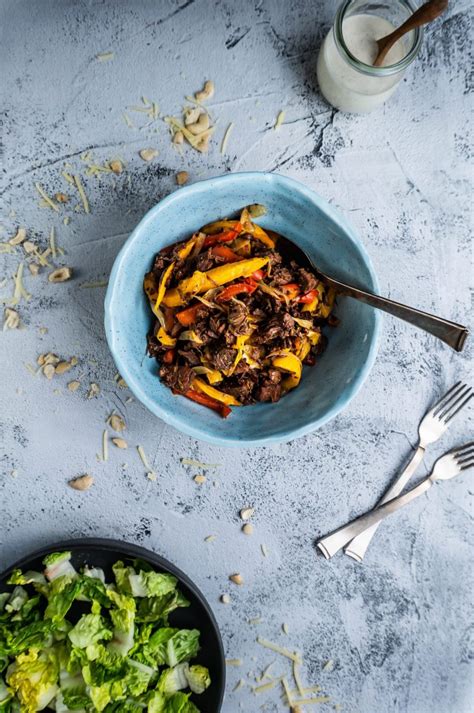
[(451, 333), (358, 546), (332, 543)]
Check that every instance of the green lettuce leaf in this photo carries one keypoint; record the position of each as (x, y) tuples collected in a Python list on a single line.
[(182, 646), (198, 678), (173, 679), (157, 608), (89, 630), (180, 703), (62, 593), (123, 620), (33, 678)]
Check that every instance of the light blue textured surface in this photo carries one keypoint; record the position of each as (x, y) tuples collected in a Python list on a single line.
[(399, 628), (300, 215)]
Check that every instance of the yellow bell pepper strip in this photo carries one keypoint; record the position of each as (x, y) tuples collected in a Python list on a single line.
[(261, 235), (218, 225), (243, 247), (213, 375), (325, 309), (291, 363), (304, 349), (311, 306), (165, 339), (239, 345), (203, 281), (227, 399), (255, 230), (150, 287), (185, 251), (314, 337), (162, 286), (190, 336)]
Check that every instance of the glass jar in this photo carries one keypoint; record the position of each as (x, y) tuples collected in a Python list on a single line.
[(346, 75)]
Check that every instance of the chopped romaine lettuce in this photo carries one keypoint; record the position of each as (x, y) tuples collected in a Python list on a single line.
[(70, 641), (89, 630)]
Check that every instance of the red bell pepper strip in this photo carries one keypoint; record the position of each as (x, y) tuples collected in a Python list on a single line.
[(225, 237), (258, 275), (233, 290), (291, 290), (168, 356), (205, 400), (189, 315), (308, 297), (225, 253)]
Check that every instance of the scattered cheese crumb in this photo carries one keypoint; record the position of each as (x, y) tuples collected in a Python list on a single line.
[(148, 154), (105, 445), (46, 198), (226, 137), (182, 177), (82, 193), (246, 513), (225, 599), (266, 686), (73, 385), (104, 56), (329, 665), (278, 649), (120, 443), (247, 529), (12, 319), (285, 628), (117, 423), (94, 391), (279, 120), (233, 662), (61, 274), (236, 579), (200, 479), (19, 237), (198, 464), (84, 482)]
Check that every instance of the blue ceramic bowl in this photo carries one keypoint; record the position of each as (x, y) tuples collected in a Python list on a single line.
[(302, 216)]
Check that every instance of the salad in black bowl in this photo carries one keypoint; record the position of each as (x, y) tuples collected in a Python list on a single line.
[(103, 626)]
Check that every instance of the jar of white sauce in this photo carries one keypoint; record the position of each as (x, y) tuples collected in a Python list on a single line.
[(346, 75)]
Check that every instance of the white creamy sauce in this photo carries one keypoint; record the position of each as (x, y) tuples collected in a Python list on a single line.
[(345, 87)]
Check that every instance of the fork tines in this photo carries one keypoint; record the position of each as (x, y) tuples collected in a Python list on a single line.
[(453, 401), (465, 456)]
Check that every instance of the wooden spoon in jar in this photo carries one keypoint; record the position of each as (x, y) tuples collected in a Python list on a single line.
[(425, 14)]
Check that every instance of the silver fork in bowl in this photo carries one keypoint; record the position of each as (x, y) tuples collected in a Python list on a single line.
[(449, 332), (433, 425), (447, 466)]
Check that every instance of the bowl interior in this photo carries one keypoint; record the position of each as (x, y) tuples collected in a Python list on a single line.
[(293, 211), (104, 553)]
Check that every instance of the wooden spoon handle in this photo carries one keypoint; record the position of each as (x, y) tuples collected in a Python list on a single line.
[(425, 14)]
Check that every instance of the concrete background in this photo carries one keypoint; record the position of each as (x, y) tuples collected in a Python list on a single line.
[(398, 628)]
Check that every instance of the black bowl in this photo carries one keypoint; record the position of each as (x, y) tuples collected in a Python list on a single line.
[(104, 553)]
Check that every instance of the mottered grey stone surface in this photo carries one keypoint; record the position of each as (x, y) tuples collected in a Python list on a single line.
[(398, 628)]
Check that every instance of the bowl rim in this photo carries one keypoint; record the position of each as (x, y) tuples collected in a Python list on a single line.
[(187, 427), (131, 551)]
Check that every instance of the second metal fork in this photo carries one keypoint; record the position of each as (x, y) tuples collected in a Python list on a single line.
[(446, 467), (431, 428)]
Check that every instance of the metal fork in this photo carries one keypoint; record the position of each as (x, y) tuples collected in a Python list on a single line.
[(449, 465), (431, 428)]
